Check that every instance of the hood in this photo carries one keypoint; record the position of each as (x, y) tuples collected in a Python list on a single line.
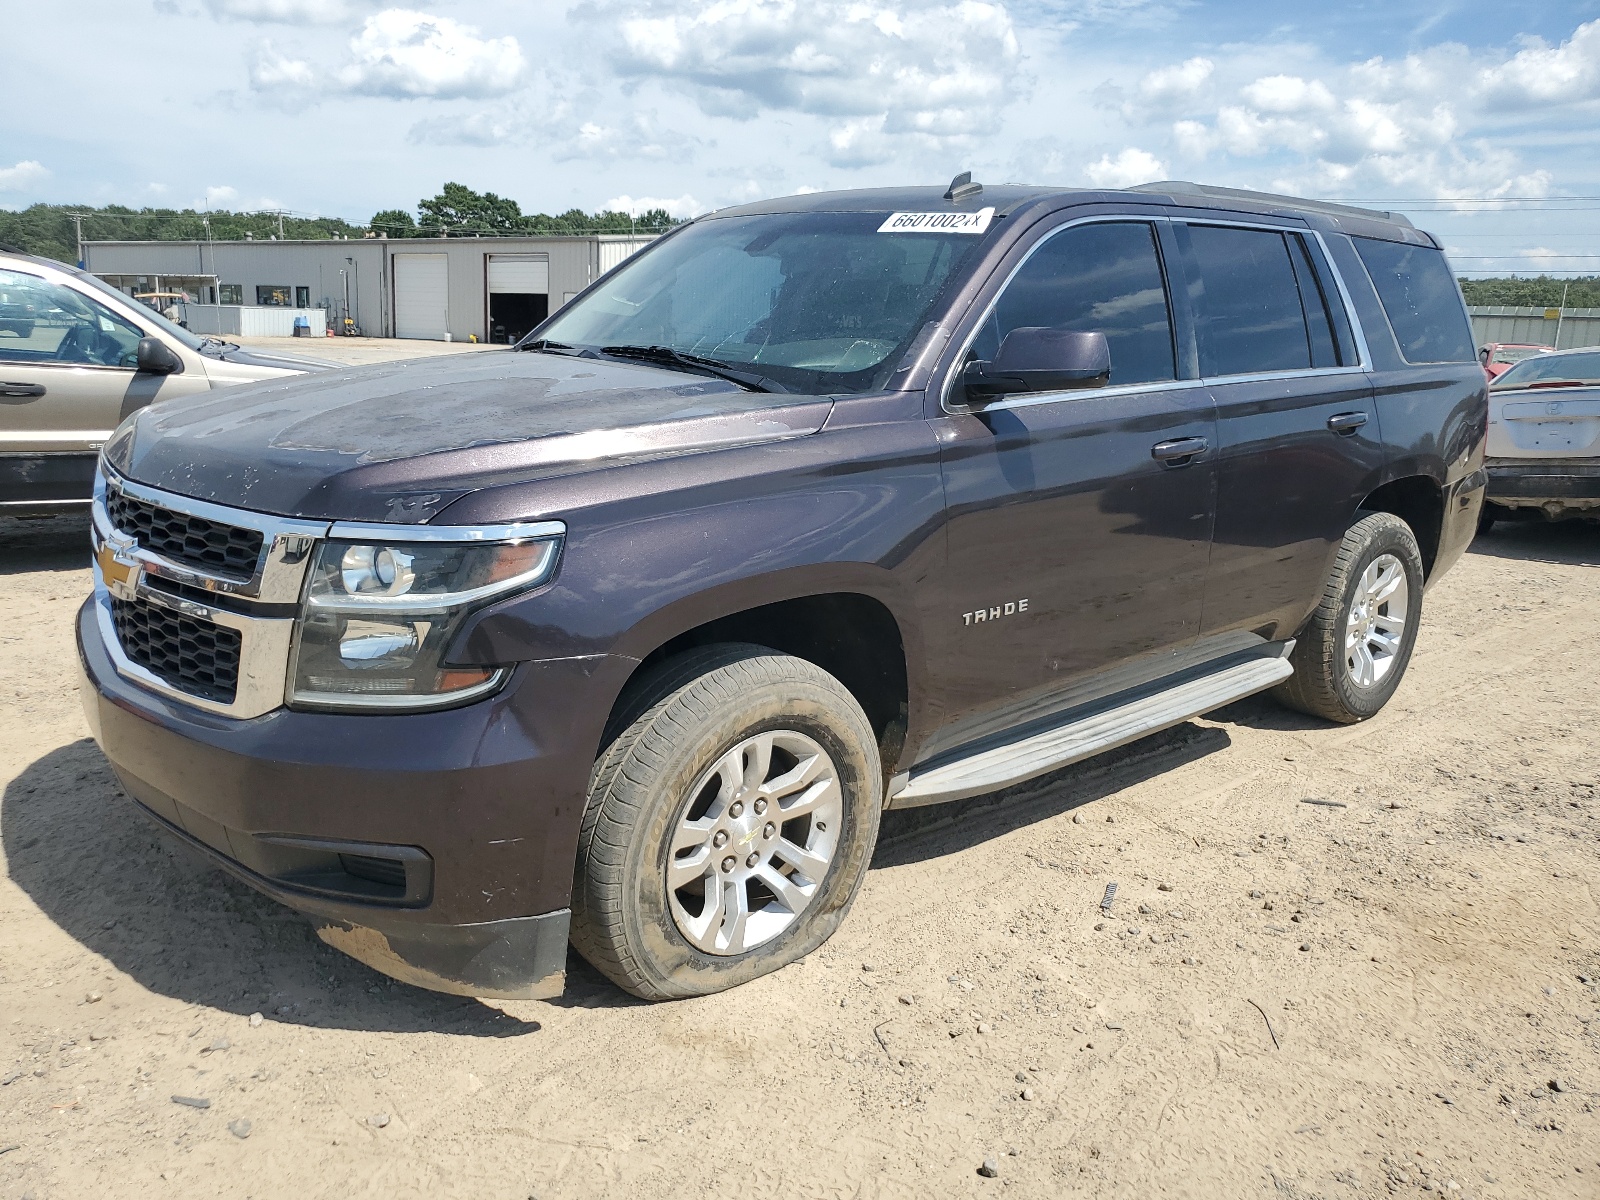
[(241, 357), (400, 441)]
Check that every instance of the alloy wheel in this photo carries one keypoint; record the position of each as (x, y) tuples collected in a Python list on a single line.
[(754, 842), (1375, 629)]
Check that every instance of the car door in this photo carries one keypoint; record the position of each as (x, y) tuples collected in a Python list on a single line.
[(1298, 438), (1078, 522), (67, 378)]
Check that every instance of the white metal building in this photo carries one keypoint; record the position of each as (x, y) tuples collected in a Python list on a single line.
[(442, 289)]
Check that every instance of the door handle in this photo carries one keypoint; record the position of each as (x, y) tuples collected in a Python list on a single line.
[(1347, 423), (1179, 452), (21, 389)]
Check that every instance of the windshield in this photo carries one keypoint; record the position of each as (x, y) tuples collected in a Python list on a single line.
[(1552, 370), (818, 303), (1515, 354), (147, 314)]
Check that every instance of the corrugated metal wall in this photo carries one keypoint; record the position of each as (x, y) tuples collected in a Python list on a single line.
[(1536, 326), (575, 262)]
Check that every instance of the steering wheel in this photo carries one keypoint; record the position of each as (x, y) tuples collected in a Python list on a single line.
[(86, 344)]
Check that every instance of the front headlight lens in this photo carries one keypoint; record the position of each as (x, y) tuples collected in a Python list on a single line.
[(378, 618)]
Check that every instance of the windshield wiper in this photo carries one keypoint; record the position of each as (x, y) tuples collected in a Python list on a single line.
[(666, 356), (546, 346)]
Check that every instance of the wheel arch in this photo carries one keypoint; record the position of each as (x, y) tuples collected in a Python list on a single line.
[(854, 625), (1418, 500)]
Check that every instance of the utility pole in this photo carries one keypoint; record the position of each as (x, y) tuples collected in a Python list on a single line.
[(77, 221), (1561, 312), (280, 224)]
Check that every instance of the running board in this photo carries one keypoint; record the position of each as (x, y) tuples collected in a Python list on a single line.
[(1000, 767)]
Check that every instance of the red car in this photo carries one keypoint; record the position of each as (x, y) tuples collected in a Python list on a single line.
[(1499, 357)]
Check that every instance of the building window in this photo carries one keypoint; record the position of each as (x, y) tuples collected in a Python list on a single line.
[(302, 297), (230, 293), (272, 295)]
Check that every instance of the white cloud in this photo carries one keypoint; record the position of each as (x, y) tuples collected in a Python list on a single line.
[(288, 12), (1543, 73), (1289, 94), (219, 197), (890, 71), (1421, 122), (403, 53), (1182, 80), (23, 175), (1131, 167), (270, 70), (679, 206)]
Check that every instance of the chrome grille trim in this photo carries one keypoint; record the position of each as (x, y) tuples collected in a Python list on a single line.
[(122, 569)]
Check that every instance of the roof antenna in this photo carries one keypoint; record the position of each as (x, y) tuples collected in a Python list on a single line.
[(962, 187)]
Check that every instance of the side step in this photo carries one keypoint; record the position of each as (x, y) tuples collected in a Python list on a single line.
[(999, 767)]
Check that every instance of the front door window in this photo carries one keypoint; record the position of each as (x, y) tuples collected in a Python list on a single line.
[(1088, 278), (43, 322)]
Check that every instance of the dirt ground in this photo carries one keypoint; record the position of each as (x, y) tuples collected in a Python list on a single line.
[(1341, 962)]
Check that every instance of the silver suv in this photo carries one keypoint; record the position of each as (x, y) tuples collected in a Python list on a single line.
[(76, 357)]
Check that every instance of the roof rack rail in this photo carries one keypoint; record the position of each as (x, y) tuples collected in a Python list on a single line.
[(1180, 187)]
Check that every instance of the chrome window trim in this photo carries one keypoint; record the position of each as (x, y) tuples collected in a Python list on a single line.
[(373, 531), (56, 364), (1025, 400)]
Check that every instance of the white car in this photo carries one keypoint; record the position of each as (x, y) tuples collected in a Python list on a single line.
[(1544, 437), (76, 357)]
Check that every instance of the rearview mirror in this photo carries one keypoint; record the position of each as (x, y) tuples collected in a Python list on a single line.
[(157, 358), (1035, 359)]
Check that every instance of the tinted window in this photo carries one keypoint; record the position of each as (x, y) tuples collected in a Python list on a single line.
[(1249, 315), (1421, 299), (1094, 277)]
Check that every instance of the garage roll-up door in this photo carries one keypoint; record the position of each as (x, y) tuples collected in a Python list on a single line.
[(421, 296), (520, 276)]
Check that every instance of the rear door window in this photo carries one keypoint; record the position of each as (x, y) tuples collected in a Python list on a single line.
[(1105, 278), (1421, 299), (1251, 310)]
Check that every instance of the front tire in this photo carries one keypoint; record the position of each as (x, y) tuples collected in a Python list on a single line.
[(729, 824), (1354, 651)]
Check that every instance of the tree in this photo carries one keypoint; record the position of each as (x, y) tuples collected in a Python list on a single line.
[(393, 222), (458, 210), (1540, 292)]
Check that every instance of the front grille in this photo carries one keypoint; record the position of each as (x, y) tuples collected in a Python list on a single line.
[(193, 541), (193, 656), (389, 871)]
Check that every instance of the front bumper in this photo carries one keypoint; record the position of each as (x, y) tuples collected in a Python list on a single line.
[(1556, 487), (478, 806)]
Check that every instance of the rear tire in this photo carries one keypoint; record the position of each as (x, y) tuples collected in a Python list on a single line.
[(729, 823), (1354, 650)]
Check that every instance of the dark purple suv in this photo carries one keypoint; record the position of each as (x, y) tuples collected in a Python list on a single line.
[(627, 635)]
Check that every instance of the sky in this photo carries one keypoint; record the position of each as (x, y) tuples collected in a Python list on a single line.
[(1480, 120)]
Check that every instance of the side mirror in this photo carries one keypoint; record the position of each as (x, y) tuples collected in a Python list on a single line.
[(1034, 359), (157, 358)]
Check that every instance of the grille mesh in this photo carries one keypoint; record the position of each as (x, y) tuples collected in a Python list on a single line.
[(194, 656), (193, 541)]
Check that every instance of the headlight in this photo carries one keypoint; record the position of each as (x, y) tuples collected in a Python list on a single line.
[(378, 615)]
